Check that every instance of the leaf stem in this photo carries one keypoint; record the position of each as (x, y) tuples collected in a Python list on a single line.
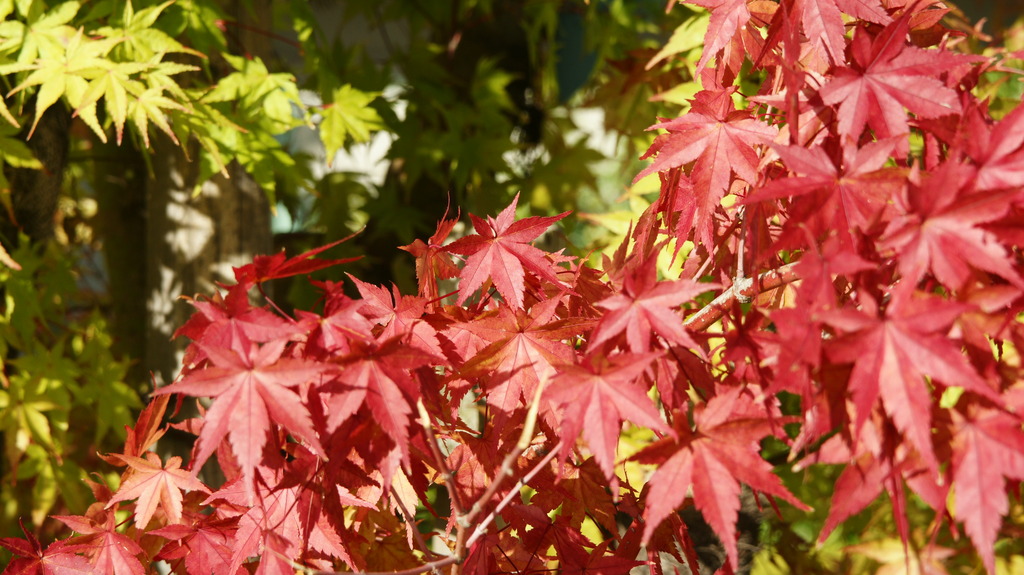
[(259, 286)]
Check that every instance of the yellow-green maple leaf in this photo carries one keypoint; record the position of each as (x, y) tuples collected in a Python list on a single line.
[(140, 39), (349, 114), (68, 74), (42, 36)]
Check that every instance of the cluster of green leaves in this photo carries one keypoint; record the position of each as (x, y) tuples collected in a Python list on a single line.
[(127, 71), (158, 66), (63, 394)]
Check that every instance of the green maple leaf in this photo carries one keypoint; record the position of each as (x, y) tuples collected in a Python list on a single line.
[(256, 93), (6, 114), (43, 36), (349, 115), (14, 151), (158, 75), (35, 406), (140, 39), (149, 106), (67, 74), (214, 131), (114, 84)]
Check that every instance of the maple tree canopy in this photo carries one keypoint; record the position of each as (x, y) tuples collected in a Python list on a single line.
[(846, 293)]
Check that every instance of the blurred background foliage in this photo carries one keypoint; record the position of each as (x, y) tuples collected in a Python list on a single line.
[(475, 102)]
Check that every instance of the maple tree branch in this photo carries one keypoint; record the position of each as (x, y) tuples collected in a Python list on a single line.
[(223, 24), (442, 466), (525, 439), (744, 288), (464, 522), (741, 273)]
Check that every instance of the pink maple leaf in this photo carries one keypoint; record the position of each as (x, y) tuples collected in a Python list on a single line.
[(154, 484), (501, 252), (251, 391)]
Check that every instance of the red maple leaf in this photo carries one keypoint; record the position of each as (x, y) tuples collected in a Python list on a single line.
[(341, 323), (579, 490), (645, 307), (228, 322), (877, 461), (277, 266), (892, 355), (597, 396), (251, 392), (109, 551), (988, 448), (433, 262), (943, 232), (719, 140), (728, 18), (155, 484), (146, 432), (205, 546), (501, 251), (271, 529), (886, 75), (575, 560), (400, 315), (831, 199), (377, 375), (998, 151), (711, 460), (523, 348), (473, 463), (823, 24), (858, 485), (59, 558)]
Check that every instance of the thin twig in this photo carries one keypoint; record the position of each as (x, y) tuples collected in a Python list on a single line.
[(746, 289), (223, 23), (384, 35), (525, 439), (410, 521), (740, 272), (464, 522), (442, 465), (481, 527)]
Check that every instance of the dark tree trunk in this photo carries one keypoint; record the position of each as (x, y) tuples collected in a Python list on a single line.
[(34, 192), (194, 240)]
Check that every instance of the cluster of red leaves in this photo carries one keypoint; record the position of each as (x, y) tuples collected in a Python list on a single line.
[(875, 226)]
